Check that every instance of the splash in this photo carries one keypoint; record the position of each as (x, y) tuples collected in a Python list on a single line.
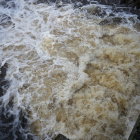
[(77, 70)]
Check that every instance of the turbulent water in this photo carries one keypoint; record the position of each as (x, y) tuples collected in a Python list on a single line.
[(74, 71)]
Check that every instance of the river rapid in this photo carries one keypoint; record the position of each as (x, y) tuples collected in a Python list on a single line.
[(71, 71)]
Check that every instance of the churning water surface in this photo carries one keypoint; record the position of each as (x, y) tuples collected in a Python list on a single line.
[(74, 71)]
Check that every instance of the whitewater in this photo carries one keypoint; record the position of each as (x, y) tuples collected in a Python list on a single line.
[(71, 71)]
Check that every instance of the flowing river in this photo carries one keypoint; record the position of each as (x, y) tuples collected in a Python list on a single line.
[(71, 71)]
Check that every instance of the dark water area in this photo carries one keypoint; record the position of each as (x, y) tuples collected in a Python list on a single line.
[(4, 84), (7, 3), (128, 6), (13, 126), (135, 134)]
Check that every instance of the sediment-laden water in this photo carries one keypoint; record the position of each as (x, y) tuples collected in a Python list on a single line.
[(70, 71)]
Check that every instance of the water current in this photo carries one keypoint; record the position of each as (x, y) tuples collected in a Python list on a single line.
[(70, 71)]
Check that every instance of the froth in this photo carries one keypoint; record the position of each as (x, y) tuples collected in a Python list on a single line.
[(78, 77)]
